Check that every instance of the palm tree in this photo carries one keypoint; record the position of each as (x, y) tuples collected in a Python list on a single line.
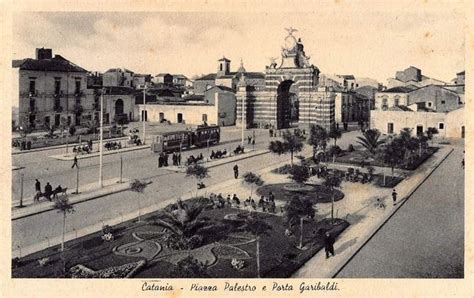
[(332, 181), (183, 221), (297, 209), (318, 138), (257, 228), (138, 187), (292, 143), (252, 179), (197, 171), (370, 140), (61, 203)]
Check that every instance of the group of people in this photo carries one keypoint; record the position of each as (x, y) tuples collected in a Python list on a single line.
[(218, 154), (48, 193), (113, 145), (23, 144), (163, 159), (239, 149), (193, 160), (87, 148)]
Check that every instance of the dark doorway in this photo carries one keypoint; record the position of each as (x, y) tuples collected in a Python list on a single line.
[(32, 120), (180, 118), (419, 130), (119, 107), (57, 119), (287, 105), (463, 132), (161, 116)]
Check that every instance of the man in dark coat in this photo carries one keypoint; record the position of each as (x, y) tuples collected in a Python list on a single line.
[(328, 244), (236, 171), (394, 197), (48, 191), (75, 162), (37, 185)]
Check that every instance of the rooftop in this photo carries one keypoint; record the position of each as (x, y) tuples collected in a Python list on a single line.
[(58, 63)]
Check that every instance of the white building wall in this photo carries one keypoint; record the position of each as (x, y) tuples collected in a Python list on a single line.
[(192, 114), (448, 124)]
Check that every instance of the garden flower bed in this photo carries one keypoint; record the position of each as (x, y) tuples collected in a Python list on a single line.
[(227, 250)]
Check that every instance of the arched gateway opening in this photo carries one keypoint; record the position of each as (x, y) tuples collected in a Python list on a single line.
[(287, 104)]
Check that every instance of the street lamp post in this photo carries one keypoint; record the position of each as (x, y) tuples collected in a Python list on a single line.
[(21, 189), (243, 127), (101, 131), (144, 114)]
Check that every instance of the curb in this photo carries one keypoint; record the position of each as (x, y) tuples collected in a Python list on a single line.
[(60, 146), (369, 236), (96, 154), (49, 207)]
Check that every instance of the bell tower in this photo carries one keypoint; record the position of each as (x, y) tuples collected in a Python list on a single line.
[(223, 67)]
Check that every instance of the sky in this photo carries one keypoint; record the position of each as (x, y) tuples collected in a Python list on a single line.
[(354, 40)]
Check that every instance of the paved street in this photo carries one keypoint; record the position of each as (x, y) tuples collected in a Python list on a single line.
[(425, 238), (138, 164)]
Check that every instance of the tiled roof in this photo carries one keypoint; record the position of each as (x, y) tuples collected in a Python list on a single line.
[(163, 74), (223, 88), (58, 63), (208, 77), (224, 59), (400, 89)]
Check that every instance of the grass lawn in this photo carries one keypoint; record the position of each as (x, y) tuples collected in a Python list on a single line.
[(316, 193), (225, 240)]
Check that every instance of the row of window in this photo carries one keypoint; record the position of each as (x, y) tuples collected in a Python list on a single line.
[(57, 85), (390, 127)]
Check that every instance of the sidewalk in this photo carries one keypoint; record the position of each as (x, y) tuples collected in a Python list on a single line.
[(70, 156), (18, 151), (86, 192), (366, 222), (214, 163)]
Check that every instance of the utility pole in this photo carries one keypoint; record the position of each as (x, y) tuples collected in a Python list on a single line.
[(144, 113), (121, 168), (77, 178), (101, 137), (243, 123), (21, 190)]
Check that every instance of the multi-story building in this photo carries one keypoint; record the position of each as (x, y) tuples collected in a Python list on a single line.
[(52, 91), (418, 109), (163, 78), (118, 77)]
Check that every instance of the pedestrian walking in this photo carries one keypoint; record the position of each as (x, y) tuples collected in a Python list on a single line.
[(236, 171), (48, 191), (37, 185), (462, 163), (253, 141), (166, 159), (179, 159), (75, 162), (90, 144), (394, 197), (328, 244), (249, 139)]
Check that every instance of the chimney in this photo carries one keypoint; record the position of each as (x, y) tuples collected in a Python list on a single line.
[(42, 53)]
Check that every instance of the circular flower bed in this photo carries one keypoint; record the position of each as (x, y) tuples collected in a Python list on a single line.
[(316, 193)]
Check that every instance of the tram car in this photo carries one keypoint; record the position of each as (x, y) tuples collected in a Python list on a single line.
[(200, 136)]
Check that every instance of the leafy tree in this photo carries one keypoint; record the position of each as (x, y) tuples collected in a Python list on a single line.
[(334, 134), (332, 181), (258, 228), (138, 187), (430, 132), (318, 138), (299, 174), (393, 154), (197, 171), (62, 205), (252, 179), (370, 140), (297, 209), (190, 267), (292, 143)]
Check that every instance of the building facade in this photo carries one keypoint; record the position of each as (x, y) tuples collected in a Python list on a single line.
[(52, 91)]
